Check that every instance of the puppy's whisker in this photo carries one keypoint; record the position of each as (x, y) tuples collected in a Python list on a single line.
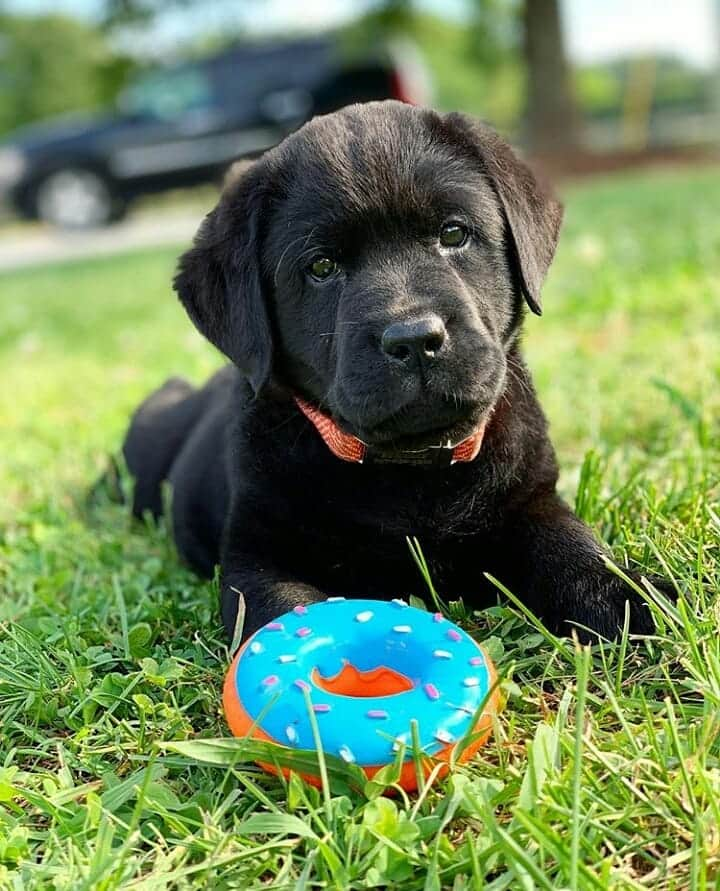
[(515, 372), (339, 325)]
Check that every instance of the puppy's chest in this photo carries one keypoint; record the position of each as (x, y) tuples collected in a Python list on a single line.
[(361, 546), (396, 509)]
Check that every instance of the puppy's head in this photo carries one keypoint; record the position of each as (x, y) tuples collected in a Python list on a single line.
[(376, 263)]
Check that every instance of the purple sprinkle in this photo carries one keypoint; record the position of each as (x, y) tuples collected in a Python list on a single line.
[(303, 632), (432, 691), (377, 713), (454, 635), (476, 660), (301, 685), (299, 610), (321, 707), (437, 617), (270, 680), (275, 626)]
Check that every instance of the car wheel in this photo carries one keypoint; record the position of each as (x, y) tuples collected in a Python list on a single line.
[(75, 198)]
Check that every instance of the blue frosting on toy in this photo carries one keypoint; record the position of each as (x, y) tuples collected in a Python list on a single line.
[(447, 669)]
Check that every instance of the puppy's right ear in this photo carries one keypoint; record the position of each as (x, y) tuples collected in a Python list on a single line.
[(219, 280), (532, 214)]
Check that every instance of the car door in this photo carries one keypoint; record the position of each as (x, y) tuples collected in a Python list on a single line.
[(181, 130)]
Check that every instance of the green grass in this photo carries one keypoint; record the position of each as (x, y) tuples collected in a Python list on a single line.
[(604, 769)]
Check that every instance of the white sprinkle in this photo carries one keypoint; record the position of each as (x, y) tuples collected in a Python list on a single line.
[(443, 736), (472, 682), (291, 733), (346, 754), (364, 616), (401, 740), (402, 629), (333, 599), (442, 654), (288, 658), (256, 647), (399, 601)]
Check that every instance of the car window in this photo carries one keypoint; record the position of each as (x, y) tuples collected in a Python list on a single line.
[(253, 71), (169, 94)]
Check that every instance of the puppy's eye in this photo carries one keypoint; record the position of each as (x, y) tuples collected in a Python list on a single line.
[(322, 268), (453, 235)]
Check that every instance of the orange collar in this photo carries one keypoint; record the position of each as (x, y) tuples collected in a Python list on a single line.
[(349, 448)]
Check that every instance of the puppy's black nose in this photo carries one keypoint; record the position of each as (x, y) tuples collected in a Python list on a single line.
[(415, 341)]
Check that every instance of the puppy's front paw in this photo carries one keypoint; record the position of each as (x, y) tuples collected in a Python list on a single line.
[(599, 606)]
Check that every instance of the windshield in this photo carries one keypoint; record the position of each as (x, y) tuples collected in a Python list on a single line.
[(168, 93)]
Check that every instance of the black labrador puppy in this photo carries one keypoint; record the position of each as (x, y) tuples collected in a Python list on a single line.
[(367, 278)]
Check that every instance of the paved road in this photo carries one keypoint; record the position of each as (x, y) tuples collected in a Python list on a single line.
[(37, 245)]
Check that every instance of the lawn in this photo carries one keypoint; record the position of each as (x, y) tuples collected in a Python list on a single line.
[(604, 768)]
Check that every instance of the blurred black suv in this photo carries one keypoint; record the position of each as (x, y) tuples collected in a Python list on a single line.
[(183, 125)]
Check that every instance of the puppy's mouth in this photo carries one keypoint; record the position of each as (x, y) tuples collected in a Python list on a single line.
[(414, 429), (458, 441)]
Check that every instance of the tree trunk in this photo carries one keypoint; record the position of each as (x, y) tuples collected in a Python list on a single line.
[(552, 118)]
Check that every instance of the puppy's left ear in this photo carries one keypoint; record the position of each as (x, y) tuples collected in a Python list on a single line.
[(533, 215)]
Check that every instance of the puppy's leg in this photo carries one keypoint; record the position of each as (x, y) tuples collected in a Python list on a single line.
[(262, 572), (553, 563), (157, 431), (266, 591)]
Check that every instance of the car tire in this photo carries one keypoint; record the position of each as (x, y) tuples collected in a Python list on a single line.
[(76, 198)]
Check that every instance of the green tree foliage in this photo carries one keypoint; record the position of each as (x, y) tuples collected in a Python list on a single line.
[(463, 75), (119, 14), (51, 64)]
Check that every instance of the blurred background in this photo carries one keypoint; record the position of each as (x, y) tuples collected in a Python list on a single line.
[(118, 118)]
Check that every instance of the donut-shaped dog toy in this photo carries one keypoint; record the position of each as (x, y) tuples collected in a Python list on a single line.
[(370, 667)]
